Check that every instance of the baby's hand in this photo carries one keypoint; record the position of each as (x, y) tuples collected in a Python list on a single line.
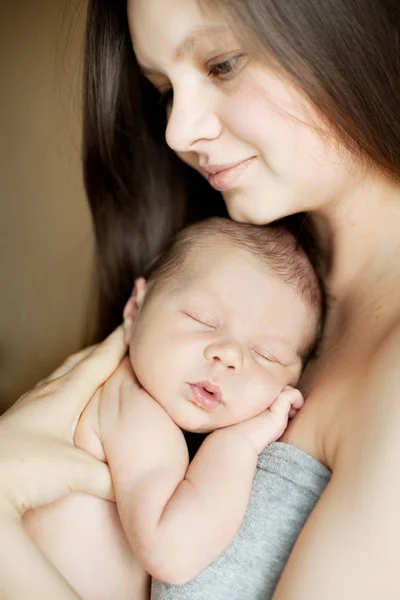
[(268, 426)]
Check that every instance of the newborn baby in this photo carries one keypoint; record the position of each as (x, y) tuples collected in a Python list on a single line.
[(218, 336)]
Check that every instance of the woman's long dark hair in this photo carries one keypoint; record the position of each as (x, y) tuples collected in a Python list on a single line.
[(344, 54), (137, 188)]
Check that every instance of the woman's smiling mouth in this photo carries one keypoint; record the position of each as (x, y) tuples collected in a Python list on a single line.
[(223, 177)]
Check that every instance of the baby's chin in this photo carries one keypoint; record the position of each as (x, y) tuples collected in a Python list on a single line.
[(192, 419), (200, 429), (187, 425)]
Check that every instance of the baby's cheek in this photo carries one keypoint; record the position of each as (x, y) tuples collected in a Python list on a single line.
[(263, 392), (149, 363), (141, 363)]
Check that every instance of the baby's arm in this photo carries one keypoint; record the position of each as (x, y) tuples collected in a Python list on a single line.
[(180, 517)]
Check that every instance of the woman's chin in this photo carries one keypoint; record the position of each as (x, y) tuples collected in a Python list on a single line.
[(243, 208)]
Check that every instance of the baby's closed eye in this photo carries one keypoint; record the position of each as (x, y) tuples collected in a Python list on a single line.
[(265, 354), (202, 318)]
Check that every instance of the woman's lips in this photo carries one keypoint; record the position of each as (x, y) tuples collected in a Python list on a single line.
[(205, 395), (224, 179)]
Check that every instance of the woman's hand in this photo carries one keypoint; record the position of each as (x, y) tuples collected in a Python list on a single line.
[(38, 460)]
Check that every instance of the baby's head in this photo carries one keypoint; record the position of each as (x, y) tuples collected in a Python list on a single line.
[(227, 318)]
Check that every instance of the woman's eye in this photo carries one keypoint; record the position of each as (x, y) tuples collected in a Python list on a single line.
[(226, 69)]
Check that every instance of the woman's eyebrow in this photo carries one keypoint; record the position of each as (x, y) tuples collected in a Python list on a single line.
[(190, 42), (187, 45)]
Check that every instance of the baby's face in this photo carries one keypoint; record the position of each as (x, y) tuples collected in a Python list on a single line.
[(220, 348)]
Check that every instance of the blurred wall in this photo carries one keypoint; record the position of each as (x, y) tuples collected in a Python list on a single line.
[(45, 232)]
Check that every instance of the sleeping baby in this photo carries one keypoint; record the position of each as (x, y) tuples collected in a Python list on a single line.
[(218, 337)]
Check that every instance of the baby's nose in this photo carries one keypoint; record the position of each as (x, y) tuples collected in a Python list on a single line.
[(229, 354)]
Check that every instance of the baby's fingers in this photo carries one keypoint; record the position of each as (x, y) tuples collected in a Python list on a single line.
[(294, 396), (289, 401)]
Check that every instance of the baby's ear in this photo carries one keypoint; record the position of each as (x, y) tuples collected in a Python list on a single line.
[(132, 306)]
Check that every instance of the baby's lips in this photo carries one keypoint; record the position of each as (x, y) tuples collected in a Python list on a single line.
[(213, 389)]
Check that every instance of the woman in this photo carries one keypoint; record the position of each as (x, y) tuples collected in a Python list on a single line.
[(285, 108)]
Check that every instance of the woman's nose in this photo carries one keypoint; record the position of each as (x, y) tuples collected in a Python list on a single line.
[(192, 119), (228, 354)]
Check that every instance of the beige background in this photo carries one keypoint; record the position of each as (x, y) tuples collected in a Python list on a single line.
[(45, 231)]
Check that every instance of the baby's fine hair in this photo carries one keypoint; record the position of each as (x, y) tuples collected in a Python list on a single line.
[(272, 244)]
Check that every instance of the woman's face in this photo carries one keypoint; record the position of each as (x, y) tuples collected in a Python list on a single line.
[(233, 119)]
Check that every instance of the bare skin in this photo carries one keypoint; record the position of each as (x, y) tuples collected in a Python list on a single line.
[(349, 546), (351, 415), (342, 388), (82, 535), (351, 394), (171, 515), (39, 463), (350, 423)]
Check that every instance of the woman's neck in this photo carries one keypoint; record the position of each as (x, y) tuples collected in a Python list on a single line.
[(362, 232)]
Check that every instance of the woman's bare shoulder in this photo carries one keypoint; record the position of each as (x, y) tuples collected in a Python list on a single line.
[(349, 545), (382, 373), (374, 419)]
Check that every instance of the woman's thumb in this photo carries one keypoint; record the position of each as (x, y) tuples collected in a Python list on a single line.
[(92, 476)]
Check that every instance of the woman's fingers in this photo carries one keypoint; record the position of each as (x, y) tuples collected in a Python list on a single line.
[(57, 404), (83, 380), (91, 476), (47, 471), (68, 365), (38, 459)]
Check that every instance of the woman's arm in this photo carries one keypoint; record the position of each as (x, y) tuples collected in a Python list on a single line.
[(349, 547), (83, 538), (24, 571), (39, 464)]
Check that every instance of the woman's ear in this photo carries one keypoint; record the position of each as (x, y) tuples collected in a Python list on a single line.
[(133, 305)]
